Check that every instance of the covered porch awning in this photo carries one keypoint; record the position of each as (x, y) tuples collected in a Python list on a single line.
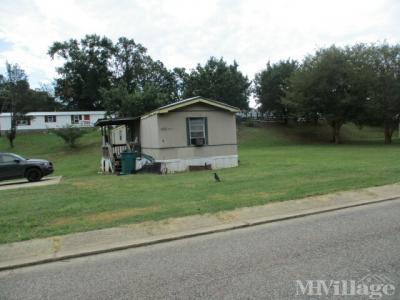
[(132, 133), (115, 121)]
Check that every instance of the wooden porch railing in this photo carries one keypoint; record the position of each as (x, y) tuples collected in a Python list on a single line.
[(113, 152), (118, 148)]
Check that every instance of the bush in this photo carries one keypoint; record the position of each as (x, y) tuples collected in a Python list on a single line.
[(70, 134)]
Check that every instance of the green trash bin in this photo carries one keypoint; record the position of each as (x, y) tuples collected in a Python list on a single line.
[(128, 162)]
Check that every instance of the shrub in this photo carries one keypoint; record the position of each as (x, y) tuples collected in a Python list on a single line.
[(70, 134)]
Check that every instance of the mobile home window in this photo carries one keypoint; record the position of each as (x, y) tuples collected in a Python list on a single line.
[(50, 119), (75, 119), (197, 131), (25, 122)]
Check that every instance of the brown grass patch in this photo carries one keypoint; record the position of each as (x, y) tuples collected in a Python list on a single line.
[(85, 184), (63, 221), (240, 195), (114, 215), (189, 185), (227, 216), (106, 217), (56, 244), (219, 197)]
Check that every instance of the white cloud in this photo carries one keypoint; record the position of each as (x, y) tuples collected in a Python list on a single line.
[(184, 33)]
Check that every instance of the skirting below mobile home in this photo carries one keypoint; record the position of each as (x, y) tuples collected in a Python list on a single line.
[(181, 165)]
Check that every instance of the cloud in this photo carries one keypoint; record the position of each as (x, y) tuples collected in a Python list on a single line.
[(184, 33)]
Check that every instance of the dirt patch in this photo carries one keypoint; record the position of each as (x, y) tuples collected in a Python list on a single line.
[(85, 184), (56, 244), (105, 217), (220, 197), (119, 214), (227, 216), (63, 221), (189, 185)]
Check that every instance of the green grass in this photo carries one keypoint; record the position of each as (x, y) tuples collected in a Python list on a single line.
[(276, 164)]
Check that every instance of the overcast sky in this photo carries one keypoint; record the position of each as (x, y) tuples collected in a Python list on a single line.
[(183, 33)]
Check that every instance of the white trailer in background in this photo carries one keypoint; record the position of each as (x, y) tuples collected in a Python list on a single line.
[(52, 120)]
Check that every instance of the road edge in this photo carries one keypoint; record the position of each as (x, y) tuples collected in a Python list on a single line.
[(199, 232)]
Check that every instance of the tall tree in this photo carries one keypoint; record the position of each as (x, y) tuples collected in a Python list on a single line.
[(130, 64), (34, 100), (159, 78), (42, 100), (180, 78), (15, 92), (2, 94), (271, 85), (139, 83), (120, 102), (384, 101), (328, 84), (95, 70), (85, 70), (220, 81)]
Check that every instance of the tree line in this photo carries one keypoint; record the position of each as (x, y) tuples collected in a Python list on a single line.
[(358, 83)]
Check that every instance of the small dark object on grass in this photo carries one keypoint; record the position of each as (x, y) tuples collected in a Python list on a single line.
[(216, 177)]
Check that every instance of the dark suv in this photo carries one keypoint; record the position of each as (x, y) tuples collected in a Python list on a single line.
[(13, 166)]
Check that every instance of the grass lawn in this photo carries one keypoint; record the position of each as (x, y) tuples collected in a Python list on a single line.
[(275, 164)]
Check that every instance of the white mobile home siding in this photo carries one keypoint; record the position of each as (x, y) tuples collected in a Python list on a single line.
[(62, 119), (118, 135)]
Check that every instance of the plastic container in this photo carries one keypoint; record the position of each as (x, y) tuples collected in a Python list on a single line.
[(128, 162)]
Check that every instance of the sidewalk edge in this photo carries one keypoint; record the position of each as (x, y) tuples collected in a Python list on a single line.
[(194, 233)]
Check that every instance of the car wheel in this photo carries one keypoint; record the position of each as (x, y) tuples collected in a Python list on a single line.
[(33, 175)]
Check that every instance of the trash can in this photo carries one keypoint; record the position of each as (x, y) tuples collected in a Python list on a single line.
[(128, 162)]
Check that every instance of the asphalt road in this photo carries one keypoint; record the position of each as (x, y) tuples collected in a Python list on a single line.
[(259, 262)]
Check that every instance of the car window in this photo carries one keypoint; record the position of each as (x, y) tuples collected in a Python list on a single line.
[(16, 156), (6, 158)]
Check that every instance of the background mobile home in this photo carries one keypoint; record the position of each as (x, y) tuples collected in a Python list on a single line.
[(52, 120)]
